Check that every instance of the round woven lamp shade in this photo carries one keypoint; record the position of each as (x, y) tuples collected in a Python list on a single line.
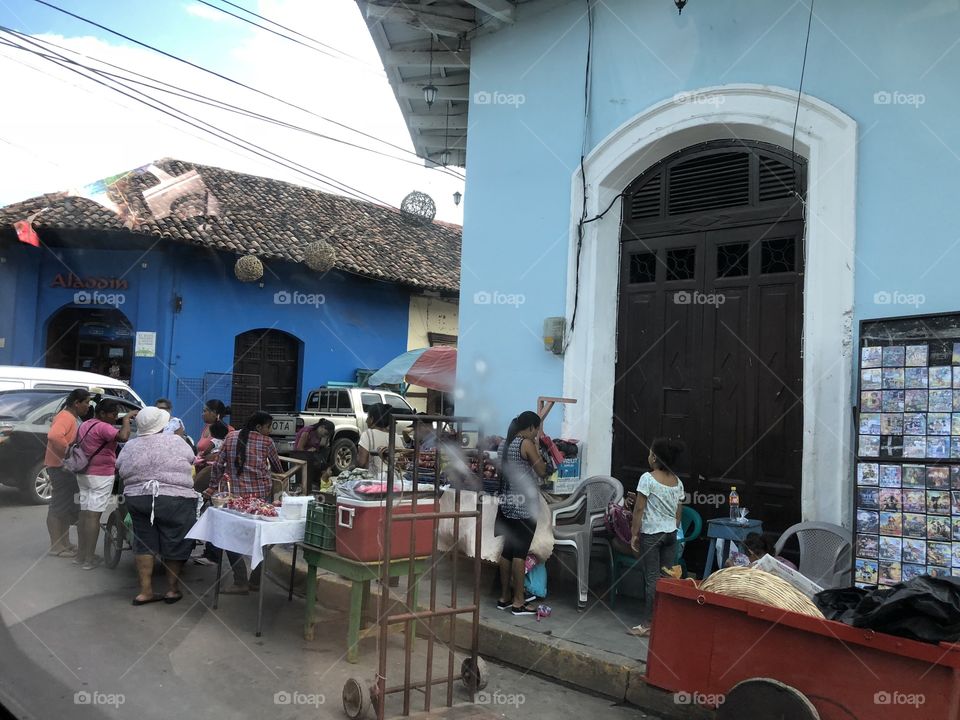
[(248, 268), (418, 208), (320, 256)]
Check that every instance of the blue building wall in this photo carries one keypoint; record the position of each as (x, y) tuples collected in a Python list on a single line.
[(358, 324), (528, 129)]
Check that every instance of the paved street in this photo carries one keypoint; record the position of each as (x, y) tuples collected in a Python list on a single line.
[(76, 632)]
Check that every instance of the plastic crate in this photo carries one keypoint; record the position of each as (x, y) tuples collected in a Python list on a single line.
[(321, 523)]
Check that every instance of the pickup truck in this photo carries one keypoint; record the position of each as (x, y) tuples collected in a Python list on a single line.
[(347, 409)]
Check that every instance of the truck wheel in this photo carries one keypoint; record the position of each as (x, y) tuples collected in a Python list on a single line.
[(344, 452), (37, 487)]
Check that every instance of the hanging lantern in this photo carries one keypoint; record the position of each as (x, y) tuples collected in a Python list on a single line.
[(445, 158), (457, 197), (680, 5), (430, 94), (320, 256), (248, 268)]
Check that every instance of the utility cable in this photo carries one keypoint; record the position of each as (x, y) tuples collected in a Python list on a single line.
[(221, 76), (207, 100), (236, 140), (342, 53)]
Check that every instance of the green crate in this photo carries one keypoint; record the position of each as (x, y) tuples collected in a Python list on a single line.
[(321, 524)]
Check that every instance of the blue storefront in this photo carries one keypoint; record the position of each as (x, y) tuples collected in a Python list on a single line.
[(181, 325)]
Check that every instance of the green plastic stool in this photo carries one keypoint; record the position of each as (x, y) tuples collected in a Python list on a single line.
[(691, 525)]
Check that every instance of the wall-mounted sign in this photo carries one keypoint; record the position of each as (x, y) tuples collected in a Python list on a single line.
[(75, 282), (146, 344)]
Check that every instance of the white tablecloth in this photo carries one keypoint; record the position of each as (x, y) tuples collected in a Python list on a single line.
[(245, 535)]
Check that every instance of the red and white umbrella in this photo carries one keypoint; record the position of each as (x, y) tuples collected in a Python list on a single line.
[(433, 367)]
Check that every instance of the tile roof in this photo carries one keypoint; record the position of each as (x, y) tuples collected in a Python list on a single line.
[(269, 218)]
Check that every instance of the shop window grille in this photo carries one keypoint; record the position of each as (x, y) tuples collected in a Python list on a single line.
[(778, 256), (733, 260), (681, 264), (643, 267)]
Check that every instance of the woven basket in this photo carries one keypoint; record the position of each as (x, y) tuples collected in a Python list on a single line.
[(762, 587)]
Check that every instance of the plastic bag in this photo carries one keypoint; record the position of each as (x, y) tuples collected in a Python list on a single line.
[(535, 582), (768, 563)]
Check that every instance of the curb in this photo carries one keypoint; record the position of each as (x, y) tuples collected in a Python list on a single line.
[(597, 671)]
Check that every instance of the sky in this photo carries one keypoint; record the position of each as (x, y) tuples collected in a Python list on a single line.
[(64, 130)]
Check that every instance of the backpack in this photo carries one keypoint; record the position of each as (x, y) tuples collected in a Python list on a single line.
[(619, 522), (75, 460)]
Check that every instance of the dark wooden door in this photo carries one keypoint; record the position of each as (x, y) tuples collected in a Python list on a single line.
[(710, 330), (274, 357)]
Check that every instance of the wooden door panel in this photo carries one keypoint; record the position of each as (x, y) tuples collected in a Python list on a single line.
[(273, 356)]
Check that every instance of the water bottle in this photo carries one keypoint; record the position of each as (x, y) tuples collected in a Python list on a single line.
[(734, 502)]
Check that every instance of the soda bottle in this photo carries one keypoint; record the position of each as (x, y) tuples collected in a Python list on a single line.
[(734, 502)]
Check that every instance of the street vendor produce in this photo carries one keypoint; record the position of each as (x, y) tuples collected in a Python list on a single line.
[(243, 469)]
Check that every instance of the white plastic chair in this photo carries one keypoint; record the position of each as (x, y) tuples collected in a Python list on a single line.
[(825, 552), (590, 501)]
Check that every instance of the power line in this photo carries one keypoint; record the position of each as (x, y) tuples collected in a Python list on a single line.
[(236, 140), (221, 76), (178, 128), (207, 100), (288, 29)]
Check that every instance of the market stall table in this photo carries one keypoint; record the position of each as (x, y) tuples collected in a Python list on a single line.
[(245, 534), (726, 531), (360, 574)]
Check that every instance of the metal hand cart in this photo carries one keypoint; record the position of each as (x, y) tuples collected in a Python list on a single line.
[(357, 696)]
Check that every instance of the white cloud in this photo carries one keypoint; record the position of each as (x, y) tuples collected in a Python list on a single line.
[(67, 130), (206, 12)]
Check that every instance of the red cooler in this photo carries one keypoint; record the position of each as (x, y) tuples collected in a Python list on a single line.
[(360, 526)]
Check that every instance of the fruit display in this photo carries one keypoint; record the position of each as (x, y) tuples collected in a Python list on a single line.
[(355, 474), (484, 467), (252, 506)]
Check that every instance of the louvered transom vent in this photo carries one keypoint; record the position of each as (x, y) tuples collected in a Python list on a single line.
[(709, 182), (645, 203), (777, 180)]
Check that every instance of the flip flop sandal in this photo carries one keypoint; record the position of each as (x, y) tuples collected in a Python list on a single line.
[(171, 599), (639, 631), (68, 553), (504, 605), (155, 598)]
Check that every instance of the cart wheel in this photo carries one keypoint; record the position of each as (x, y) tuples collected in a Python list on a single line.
[(355, 699), (765, 697), (470, 675), (113, 536)]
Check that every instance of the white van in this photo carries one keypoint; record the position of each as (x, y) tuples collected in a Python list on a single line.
[(15, 377)]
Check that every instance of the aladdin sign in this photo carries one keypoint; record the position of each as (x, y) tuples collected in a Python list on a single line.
[(74, 282)]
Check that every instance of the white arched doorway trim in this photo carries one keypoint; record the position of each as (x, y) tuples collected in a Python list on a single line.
[(827, 138)]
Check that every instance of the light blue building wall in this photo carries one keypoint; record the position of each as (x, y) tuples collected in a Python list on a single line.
[(891, 66)]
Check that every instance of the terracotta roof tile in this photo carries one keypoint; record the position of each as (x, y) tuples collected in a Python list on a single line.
[(273, 219)]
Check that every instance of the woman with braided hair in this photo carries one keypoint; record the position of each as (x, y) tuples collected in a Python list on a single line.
[(247, 457)]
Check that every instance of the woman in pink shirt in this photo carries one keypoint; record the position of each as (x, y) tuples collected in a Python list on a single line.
[(98, 439)]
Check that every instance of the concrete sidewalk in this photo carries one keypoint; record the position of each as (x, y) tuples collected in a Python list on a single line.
[(589, 650)]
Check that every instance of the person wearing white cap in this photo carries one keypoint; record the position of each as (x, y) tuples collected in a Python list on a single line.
[(156, 470)]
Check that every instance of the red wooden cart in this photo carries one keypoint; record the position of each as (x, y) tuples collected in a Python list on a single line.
[(703, 645)]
